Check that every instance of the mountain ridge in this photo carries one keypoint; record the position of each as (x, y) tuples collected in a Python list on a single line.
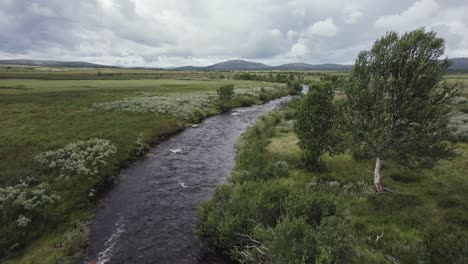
[(459, 64)]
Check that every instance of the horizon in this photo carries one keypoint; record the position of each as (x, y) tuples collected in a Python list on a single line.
[(127, 33)]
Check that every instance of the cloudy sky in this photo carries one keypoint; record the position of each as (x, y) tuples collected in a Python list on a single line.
[(169, 33)]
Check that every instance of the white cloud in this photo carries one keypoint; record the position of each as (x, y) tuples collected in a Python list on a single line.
[(417, 15), (325, 28), (179, 32), (298, 50), (352, 17)]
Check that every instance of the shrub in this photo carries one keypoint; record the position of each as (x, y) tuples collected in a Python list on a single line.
[(140, 146), (446, 244), (78, 158), (22, 205), (245, 100), (278, 169), (290, 241), (178, 105), (74, 243), (295, 87), (225, 95), (458, 127)]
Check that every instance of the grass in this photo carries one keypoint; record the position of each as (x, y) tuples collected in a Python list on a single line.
[(44, 114), (427, 202)]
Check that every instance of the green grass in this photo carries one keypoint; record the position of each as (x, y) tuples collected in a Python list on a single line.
[(40, 115), (427, 202)]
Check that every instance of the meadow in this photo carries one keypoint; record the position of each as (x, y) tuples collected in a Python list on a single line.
[(65, 132)]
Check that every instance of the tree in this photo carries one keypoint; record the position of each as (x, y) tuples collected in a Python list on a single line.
[(225, 94), (315, 123), (399, 103)]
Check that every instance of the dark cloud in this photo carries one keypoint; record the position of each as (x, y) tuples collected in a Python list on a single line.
[(180, 32)]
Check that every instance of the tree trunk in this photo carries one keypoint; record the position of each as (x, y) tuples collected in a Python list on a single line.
[(377, 176)]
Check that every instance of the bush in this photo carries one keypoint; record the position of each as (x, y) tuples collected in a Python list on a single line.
[(140, 146), (458, 127), (295, 87), (245, 100), (225, 95), (78, 158), (23, 208), (290, 241), (74, 243), (446, 244)]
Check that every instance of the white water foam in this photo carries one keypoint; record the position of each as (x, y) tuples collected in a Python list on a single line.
[(106, 255)]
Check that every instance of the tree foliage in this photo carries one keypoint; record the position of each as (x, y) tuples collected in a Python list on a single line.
[(315, 124), (225, 94), (398, 101)]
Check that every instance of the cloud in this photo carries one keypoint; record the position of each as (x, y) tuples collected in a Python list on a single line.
[(415, 16), (325, 28), (352, 17), (165, 33)]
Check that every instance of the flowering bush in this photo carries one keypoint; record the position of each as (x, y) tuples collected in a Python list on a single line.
[(187, 106), (140, 145), (184, 106), (21, 204), (458, 127), (78, 158), (460, 100)]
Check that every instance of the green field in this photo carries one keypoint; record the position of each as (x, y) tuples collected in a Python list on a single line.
[(47, 109)]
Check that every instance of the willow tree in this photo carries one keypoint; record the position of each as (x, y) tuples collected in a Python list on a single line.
[(315, 124), (399, 102)]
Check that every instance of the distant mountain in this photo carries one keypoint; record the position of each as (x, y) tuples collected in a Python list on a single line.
[(238, 65), (228, 66), (312, 67), (45, 63), (459, 64)]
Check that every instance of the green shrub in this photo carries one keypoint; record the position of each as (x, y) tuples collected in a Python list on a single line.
[(141, 146), (290, 241), (23, 208), (446, 244), (78, 158), (312, 205), (225, 95), (74, 243), (245, 100)]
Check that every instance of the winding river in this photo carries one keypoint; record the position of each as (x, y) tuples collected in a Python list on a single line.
[(149, 217)]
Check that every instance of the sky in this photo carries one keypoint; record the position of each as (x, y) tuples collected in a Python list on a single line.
[(169, 33)]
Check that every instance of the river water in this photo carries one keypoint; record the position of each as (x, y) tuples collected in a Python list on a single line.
[(149, 217)]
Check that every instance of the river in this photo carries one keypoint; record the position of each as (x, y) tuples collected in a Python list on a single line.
[(149, 217)]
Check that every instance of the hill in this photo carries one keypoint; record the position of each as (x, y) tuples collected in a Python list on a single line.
[(239, 65), (459, 64), (47, 63)]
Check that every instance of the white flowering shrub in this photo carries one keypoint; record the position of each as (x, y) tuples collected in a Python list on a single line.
[(460, 100), (21, 204), (140, 145), (78, 158), (458, 127), (189, 107)]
